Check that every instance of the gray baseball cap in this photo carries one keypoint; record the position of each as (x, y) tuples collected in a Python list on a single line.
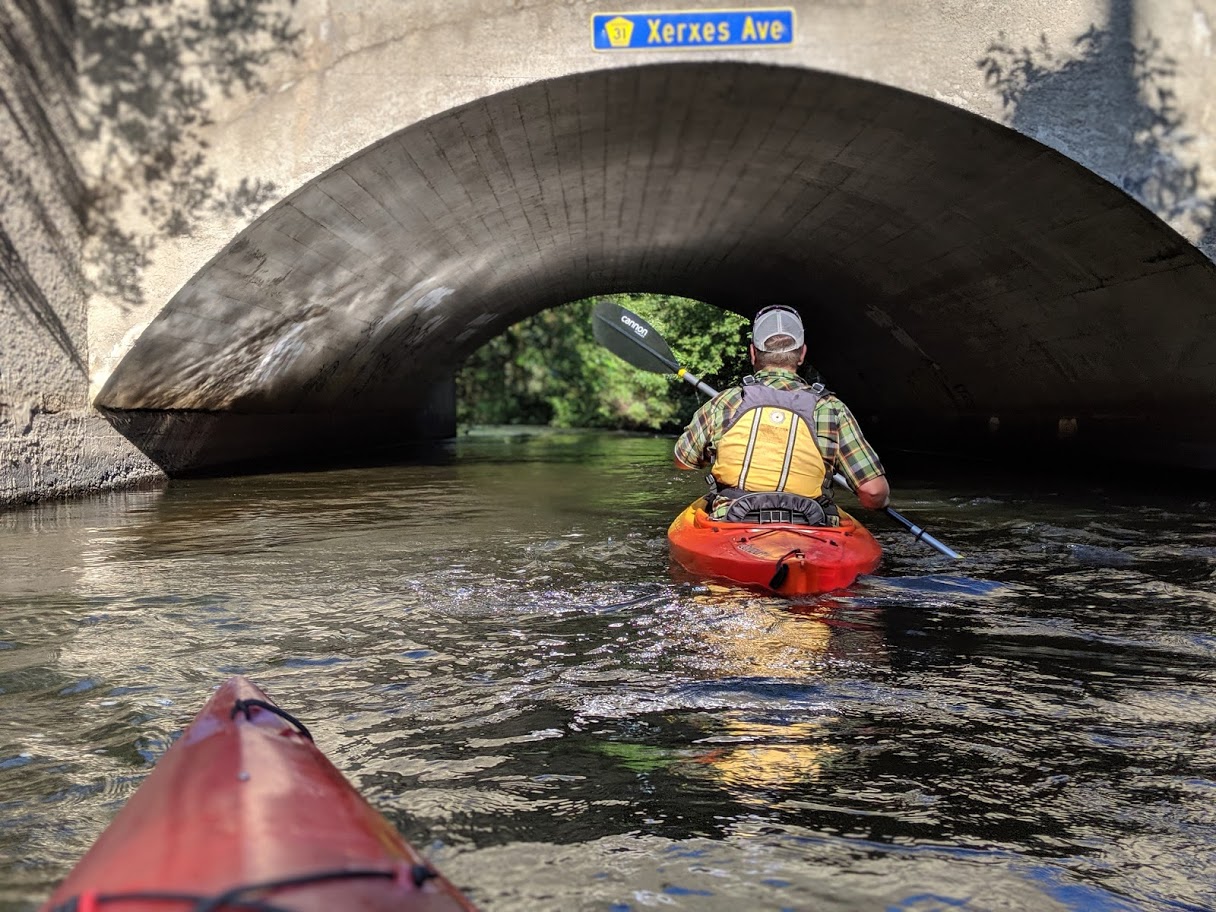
[(777, 321)]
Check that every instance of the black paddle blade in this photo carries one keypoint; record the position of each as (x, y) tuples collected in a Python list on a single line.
[(632, 339)]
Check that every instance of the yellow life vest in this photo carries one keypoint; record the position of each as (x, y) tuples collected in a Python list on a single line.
[(769, 443)]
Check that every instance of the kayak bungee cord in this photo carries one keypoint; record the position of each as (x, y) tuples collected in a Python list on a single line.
[(91, 901), (807, 532), (243, 707)]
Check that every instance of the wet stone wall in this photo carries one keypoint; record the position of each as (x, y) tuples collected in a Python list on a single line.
[(52, 443)]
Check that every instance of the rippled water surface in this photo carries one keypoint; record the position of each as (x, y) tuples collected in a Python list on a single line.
[(493, 648)]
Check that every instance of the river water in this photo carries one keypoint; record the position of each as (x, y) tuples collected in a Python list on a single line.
[(493, 648)]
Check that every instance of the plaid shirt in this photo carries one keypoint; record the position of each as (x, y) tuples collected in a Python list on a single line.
[(840, 440)]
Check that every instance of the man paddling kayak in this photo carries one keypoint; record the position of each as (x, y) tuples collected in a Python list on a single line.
[(773, 443)]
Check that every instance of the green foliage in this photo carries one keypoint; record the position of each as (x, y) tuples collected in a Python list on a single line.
[(548, 369)]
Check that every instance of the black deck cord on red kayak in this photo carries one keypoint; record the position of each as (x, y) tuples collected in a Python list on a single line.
[(243, 706), (782, 570), (231, 900)]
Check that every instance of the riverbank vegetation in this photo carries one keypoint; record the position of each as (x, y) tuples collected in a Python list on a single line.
[(549, 370)]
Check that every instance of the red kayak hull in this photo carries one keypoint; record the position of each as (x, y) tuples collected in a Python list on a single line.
[(244, 798), (816, 558)]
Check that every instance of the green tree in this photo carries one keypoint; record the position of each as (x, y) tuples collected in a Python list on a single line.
[(548, 369)]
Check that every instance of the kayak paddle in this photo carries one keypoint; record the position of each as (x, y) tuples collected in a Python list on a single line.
[(636, 342)]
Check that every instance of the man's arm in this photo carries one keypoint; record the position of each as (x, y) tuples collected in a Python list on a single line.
[(694, 448), (690, 451), (858, 462), (875, 493)]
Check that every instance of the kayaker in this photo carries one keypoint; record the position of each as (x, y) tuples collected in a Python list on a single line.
[(773, 443)]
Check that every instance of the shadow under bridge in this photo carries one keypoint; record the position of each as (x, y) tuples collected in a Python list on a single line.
[(959, 281)]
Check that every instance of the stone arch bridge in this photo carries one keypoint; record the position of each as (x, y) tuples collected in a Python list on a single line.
[(996, 218)]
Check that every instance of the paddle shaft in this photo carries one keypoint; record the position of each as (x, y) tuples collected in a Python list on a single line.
[(921, 534), (700, 384)]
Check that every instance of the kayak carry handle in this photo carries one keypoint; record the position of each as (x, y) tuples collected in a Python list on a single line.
[(783, 571)]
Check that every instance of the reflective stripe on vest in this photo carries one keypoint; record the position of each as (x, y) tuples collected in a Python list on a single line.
[(769, 443)]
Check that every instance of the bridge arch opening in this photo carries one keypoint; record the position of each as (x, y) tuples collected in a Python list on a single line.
[(957, 270), (549, 369)]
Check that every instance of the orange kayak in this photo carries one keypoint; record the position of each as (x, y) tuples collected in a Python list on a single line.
[(243, 812), (784, 558)]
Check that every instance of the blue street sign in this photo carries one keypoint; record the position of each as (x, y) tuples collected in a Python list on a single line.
[(692, 29)]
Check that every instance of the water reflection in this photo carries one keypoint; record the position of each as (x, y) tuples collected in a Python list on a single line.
[(494, 649)]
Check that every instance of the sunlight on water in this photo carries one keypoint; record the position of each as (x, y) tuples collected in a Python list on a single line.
[(493, 648)]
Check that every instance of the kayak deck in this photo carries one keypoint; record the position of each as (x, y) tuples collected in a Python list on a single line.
[(778, 557), (245, 812)]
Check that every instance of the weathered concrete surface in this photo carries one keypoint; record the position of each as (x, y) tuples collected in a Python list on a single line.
[(52, 442), (191, 442), (955, 270), (1122, 87), (968, 277)]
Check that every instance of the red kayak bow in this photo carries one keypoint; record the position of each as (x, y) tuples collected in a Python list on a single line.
[(244, 813)]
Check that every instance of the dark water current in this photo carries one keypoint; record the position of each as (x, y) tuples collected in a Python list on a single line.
[(494, 650)]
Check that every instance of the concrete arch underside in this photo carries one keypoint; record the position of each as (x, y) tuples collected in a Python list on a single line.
[(962, 282)]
